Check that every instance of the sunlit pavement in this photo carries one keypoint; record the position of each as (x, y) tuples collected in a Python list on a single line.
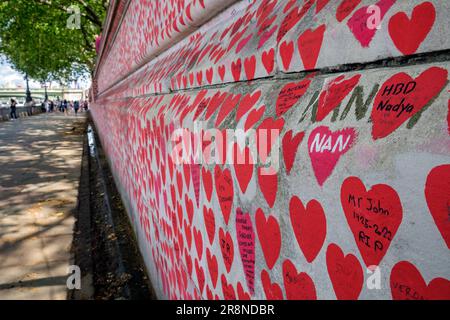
[(40, 158)]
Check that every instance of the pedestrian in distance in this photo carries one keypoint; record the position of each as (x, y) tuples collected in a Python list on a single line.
[(13, 109), (76, 106), (65, 107)]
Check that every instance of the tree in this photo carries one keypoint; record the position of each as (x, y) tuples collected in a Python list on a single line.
[(36, 39)]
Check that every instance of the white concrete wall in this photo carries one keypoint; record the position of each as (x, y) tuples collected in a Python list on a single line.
[(227, 231)]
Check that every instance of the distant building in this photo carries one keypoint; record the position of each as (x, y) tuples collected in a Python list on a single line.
[(38, 95)]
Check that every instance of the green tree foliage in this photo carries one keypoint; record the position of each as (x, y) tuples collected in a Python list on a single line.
[(35, 38)]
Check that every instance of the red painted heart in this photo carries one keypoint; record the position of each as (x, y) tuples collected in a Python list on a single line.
[(373, 215), (333, 94), (268, 183), (345, 272), (289, 95), (267, 59), (309, 45), (207, 183), (247, 103), (437, 193), (272, 290), (345, 8), (310, 226), (408, 284), (269, 236), (419, 26), (243, 166), (401, 97), (227, 289), (224, 190), (286, 51), (246, 243), (298, 286), (253, 117), (227, 248), (290, 147), (212, 267)]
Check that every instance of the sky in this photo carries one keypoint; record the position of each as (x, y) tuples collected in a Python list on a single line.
[(11, 78)]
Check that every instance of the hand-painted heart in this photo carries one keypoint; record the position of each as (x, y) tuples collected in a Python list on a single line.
[(345, 272), (298, 286), (228, 105), (236, 67), (333, 93), (224, 190), (243, 166), (437, 193), (253, 117), (292, 18), (326, 147), (309, 45), (373, 216), (320, 5), (227, 248), (246, 242), (272, 290), (268, 61), (266, 36), (200, 276), (401, 97), (358, 22), (207, 183), (242, 295), (408, 284), (210, 223), (269, 236), (310, 226), (286, 51), (247, 103), (249, 67), (289, 95), (216, 100), (345, 8), (221, 70), (212, 267), (290, 146), (227, 289), (419, 26), (198, 242), (268, 184)]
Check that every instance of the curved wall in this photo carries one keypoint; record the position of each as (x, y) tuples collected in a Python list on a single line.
[(355, 205)]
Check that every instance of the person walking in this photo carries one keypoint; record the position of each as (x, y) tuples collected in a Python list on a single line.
[(76, 106), (13, 109), (65, 107)]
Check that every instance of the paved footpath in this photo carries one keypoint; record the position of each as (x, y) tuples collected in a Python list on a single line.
[(40, 161)]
